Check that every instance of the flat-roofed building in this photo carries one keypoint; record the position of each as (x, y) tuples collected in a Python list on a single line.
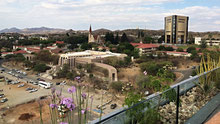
[(176, 29), (88, 57)]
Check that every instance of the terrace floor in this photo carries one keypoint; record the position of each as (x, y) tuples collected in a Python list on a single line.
[(215, 117)]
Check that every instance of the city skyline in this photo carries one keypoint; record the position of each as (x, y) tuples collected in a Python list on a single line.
[(110, 14)]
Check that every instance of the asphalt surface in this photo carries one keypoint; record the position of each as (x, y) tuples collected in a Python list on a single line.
[(186, 73)]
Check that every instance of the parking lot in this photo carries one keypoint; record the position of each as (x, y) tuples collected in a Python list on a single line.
[(16, 93)]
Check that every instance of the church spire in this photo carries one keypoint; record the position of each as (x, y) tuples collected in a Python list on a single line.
[(90, 29)]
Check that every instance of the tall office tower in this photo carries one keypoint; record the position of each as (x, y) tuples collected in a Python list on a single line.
[(176, 29)]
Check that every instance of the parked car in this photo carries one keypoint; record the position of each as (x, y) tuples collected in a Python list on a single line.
[(2, 95), (21, 85), (33, 90), (35, 83), (4, 100), (113, 106), (24, 73), (39, 79), (20, 77), (29, 88), (63, 83), (58, 83)]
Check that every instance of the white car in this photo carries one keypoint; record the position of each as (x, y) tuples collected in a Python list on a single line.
[(21, 85), (34, 90)]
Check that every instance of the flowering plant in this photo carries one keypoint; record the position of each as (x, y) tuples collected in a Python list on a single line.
[(63, 109)]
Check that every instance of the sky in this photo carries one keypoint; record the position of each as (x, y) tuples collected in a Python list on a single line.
[(204, 15)]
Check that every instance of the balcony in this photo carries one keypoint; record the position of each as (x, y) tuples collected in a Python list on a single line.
[(185, 102)]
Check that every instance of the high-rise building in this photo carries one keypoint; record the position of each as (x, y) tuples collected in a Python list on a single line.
[(176, 29)]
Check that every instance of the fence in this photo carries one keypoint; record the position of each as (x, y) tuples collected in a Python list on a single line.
[(143, 110)]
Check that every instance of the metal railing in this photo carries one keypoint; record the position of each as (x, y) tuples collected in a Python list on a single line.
[(121, 116)]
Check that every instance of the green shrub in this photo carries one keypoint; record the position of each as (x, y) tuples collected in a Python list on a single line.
[(142, 82), (41, 67), (117, 86), (190, 49), (156, 85), (179, 50), (150, 67)]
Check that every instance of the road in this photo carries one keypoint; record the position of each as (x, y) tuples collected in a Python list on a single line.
[(186, 74)]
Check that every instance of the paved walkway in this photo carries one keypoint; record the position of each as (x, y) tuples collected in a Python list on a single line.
[(215, 119)]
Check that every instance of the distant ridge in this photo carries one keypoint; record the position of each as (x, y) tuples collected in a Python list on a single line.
[(40, 30)]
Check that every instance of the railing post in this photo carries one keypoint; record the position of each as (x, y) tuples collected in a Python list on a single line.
[(177, 104)]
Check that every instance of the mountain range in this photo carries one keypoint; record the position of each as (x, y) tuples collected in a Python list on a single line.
[(40, 30), (102, 31)]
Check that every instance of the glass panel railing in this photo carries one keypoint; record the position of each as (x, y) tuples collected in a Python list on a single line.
[(162, 107)]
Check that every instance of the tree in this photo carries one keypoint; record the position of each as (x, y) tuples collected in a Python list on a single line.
[(150, 67), (71, 75), (110, 37), (41, 67), (162, 48), (148, 39), (116, 39), (190, 49), (64, 71), (124, 38), (194, 54), (179, 50), (203, 44), (169, 49), (161, 39), (126, 48), (210, 39), (44, 56), (86, 46), (117, 86)]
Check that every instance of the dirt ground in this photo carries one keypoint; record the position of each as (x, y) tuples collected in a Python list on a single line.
[(27, 113), (128, 74), (186, 64)]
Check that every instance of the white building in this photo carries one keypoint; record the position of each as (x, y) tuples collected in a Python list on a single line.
[(43, 38), (198, 41)]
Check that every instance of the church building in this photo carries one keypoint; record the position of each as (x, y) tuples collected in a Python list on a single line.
[(93, 38)]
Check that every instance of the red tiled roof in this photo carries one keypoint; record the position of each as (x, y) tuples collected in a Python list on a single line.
[(136, 44), (46, 48), (20, 46), (20, 51), (200, 54), (33, 50), (59, 42), (56, 51), (7, 53), (148, 46), (174, 47), (176, 52)]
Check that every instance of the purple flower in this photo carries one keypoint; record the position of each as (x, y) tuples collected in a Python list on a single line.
[(83, 111), (72, 89), (91, 97), (63, 123), (53, 106), (58, 93), (77, 78), (68, 102), (84, 95), (145, 72), (53, 90)]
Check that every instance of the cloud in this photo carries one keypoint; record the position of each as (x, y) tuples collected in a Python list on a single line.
[(201, 18), (112, 14), (217, 22)]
